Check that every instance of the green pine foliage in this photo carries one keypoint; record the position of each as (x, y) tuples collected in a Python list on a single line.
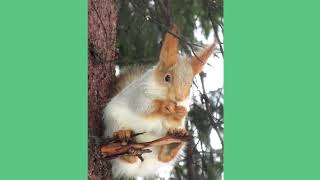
[(142, 24)]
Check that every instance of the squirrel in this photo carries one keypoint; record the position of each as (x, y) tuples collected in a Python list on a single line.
[(154, 101)]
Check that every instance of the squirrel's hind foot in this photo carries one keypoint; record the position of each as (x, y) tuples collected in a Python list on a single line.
[(170, 151), (129, 158)]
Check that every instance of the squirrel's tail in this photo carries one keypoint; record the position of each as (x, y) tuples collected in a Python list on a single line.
[(127, 75)]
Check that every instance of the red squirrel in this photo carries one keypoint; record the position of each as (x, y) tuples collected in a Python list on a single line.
[(155, 101)]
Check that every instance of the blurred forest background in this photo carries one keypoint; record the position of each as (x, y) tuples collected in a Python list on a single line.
[(140, 26)]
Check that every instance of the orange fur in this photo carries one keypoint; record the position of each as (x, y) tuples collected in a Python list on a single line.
[(168, 109), (178, 90), (129, 159), (198, 62), (168, 152), (169, 49), (123, 135)]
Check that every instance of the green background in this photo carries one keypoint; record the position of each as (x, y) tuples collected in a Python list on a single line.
[(271, 89), (43, 89)]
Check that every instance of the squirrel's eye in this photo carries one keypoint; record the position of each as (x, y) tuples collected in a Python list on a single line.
[(167, 78)]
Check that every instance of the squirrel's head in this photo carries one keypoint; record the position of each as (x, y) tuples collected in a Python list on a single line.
[(175, 74)]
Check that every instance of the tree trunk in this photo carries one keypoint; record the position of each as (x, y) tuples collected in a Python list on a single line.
[(102, 20)]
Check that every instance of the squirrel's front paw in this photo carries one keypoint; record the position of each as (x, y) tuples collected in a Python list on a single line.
[(176, 112), (168, 107), (180, 112), (123, 135)]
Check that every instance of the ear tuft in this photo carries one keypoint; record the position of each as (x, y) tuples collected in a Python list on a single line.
[(197, 62), (169, 49)]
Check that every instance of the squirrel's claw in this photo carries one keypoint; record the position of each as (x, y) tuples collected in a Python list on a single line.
[(169, 107), (179, 132), (123, 135), (180, 112), (173, 110)]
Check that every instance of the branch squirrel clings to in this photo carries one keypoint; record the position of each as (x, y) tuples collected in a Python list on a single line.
[(155, 102)]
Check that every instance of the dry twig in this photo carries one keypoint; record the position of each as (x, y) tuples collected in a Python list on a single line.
[(116, 149)]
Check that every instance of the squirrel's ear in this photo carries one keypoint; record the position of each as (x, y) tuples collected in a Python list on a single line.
[(197, 62), (169, 49)]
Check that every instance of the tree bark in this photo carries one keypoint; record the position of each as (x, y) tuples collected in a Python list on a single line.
[(102, 20)]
